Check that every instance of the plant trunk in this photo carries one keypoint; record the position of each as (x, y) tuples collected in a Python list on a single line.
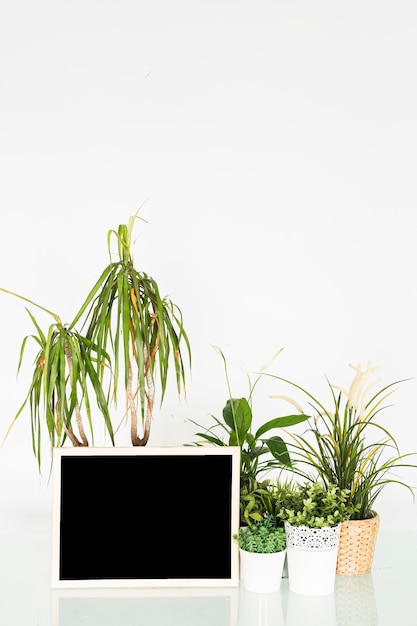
[(133, 410), (68, 429)]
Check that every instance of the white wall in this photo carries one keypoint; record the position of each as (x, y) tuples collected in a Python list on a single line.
[(274, 146)]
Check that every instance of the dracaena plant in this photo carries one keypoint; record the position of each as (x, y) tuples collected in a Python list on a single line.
[(259, 454), (64, 383), (129, 332), (347, 445), (125, 316)]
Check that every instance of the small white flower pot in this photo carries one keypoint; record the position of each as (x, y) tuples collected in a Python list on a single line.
[(312, 558), (262, 573)]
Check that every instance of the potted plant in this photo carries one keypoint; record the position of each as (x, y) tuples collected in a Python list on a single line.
[(64, 383), (259, 454), (129, 335), (126, 317), (312, 514), (347, 445), (262, 554)]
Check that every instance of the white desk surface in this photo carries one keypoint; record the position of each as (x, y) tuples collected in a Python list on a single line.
[(385, 597)]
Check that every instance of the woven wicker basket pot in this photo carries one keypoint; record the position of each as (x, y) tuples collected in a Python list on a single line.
[(357, 546)]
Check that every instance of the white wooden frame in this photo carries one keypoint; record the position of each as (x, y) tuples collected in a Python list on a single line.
[(59, 456), (69, 602)]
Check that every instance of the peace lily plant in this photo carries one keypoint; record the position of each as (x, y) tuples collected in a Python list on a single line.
[(346, 446), (125, 333), (260, 452)]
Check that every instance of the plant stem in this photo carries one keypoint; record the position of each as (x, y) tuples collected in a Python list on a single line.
[(75, 441), (132, 407)]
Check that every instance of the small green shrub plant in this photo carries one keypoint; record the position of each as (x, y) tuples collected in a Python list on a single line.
[(314, 505), (262, 536)]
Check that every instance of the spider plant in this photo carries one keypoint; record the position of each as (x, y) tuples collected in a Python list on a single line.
[(126, 317), (346, 446)]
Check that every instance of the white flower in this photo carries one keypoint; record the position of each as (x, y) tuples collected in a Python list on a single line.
[(290, 401), (358, 393)]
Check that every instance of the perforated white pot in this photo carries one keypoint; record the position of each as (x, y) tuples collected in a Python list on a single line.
[(312, 558)]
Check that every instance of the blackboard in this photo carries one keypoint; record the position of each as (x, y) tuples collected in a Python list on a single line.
[(143, 516)]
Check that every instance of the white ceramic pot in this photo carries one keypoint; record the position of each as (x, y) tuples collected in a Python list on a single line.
[(311, 558), (262, 573)]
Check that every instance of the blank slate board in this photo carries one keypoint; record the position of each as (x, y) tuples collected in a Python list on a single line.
[(145, 517)]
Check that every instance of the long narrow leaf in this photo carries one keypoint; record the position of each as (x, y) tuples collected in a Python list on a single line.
[(281, 422)]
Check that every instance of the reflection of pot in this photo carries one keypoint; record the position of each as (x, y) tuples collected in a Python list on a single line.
[(355, 601), (260, 609), (262, 573), (357, 546), (312, 556), (314, 610)]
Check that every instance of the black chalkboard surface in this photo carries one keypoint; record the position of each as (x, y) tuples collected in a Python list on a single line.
[(126, 517)]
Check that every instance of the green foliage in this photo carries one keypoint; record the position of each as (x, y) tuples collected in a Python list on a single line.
[(130, 333), (258, 499), (346, 446), (64, 379), (258, 454), (142, 331), (314, 505), (255, 500), (262, 536)]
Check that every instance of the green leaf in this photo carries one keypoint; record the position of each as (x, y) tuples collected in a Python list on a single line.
[(233, 441), (282, 422), (278, 449), (211, 439), (238, 416)]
